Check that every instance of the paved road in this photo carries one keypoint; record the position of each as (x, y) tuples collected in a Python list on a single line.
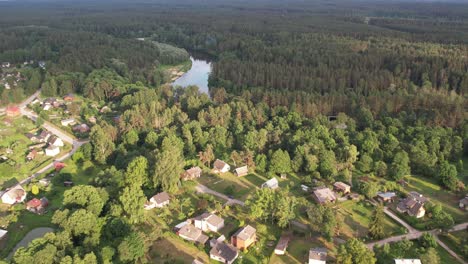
[(51, 127), (29, 99)]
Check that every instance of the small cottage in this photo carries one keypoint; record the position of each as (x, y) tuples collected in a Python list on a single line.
[(386, 197), (31, 155), (318, 256), (408, 261), (224, 253), (192, 173), (159, 200), (191, 233), (244, 237), (67, 122), (324, 195), (37, 206), (52, 151), (14, 195), (209, 222), (241, 171), (56, 141), (271, 184), (220, 166), (282, 245), (413, 205), (342, 187)]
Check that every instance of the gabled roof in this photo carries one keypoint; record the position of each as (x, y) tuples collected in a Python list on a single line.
[(194, 170), (282, 243), (244, 170), (386, 195), (464, 201), (273, 182), (318, 254), (341, 185), (219, 164), (3, 233), (161, 197), (245, 232), (225, 251), (16, 193), (324, 194)]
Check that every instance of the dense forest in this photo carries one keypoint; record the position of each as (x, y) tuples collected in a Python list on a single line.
[(329, 92)]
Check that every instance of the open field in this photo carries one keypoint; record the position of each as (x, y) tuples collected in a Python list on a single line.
[(456, 241), (173, 250), (357, 216), (297, 251)]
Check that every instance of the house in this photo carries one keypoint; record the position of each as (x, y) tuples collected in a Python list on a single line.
[(192, 173), (31, 155), (196, 261), (59, 165), (46, 107), (271, 183), (52, 151), (44, 182), (408, 261), (318, 256), (413, 205), (69, 97), (56, 141), (191, 233), (224, 253), (282, 245), (14, 195), (159, 200), (81, 128), (215, 241), (37, 146), (386, 197), (463, 204), (220, 166), (342, 187), (241, 171), (92, 119), (208, 222), (13, 111), (244, 237), (32, 137), (67, 122), (37, 206), (305, 188), (44, 136), (324, 195), (6, 65), (3, 234)]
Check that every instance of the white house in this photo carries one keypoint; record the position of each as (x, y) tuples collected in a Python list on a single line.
[(52, 151), (407, 261), (56, 142), (67, 122), (271, 183), (159, 200), (3, 233), (15, 195), (318, 256), (208, 222), (220, 166)]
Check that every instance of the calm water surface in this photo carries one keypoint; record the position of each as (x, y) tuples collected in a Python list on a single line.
[(197, 75)]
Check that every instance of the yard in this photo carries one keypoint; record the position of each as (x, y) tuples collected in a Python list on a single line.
[(357, 216), (437, 194), (298, 250), (228, 184), (174, 250)]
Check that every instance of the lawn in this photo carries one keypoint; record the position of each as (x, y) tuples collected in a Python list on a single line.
[(228, 183), (357, 216), (437, 194), (174, 250), (456, 241), (297, 251)]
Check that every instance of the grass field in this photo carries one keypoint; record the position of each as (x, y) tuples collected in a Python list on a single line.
[(357, 216), (437, 194), (297, 251), (173, 250), (228, 184), (456, 241)]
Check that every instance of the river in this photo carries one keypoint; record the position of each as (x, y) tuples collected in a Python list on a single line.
[(197, 75)]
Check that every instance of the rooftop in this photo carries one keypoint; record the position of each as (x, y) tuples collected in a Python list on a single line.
[(245, 232), (161, 197), (318, 254), (224, 251)]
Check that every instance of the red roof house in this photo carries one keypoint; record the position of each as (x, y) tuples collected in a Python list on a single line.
[(13, 111)]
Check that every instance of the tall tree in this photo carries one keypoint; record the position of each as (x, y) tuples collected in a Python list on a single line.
[(377, 224), (354, 252)]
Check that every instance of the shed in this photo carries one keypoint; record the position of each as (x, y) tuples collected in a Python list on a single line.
[(241, 171)]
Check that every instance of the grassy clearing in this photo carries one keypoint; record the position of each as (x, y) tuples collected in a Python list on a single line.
[(456, 241), (437, 194), (297, 251), (174, 250), (357, 216), (228, 184)]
